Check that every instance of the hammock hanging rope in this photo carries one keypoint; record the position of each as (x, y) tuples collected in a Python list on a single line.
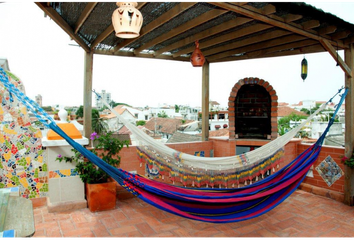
[(204, 204)]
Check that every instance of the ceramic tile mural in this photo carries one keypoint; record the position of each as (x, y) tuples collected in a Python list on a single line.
[(22, 160), (329, 170)]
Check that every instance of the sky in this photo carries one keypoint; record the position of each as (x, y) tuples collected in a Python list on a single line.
[(49, 64)]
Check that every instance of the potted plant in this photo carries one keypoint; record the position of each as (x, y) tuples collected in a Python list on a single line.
[(100, 188)]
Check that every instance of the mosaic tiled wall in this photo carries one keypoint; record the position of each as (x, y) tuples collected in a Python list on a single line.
[(22, 160)]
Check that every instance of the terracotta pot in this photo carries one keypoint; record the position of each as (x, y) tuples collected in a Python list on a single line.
[(197, 58), (101, 196)]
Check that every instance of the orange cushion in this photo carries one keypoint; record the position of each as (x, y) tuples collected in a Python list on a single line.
[(68, 128)]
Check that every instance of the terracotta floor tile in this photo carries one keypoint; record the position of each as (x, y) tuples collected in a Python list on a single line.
[(332, 234), (101, 232), (145, 229), (301, 215), (110, 223), (121, 231)]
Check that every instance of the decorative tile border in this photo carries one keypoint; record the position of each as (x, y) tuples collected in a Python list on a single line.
[(62, 173)]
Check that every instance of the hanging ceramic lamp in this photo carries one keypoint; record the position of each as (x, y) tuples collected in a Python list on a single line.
[(197, 57), (127, 20), (304, 69)]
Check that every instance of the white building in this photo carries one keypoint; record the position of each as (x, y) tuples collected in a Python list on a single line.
[(38, 99), (113, 122), (106, 96)]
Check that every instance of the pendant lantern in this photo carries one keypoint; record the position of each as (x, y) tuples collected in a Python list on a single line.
[(304, 69), (197, 57), (127, 20)]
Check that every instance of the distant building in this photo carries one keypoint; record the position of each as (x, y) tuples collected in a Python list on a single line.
[(104, 95), (38, 99)]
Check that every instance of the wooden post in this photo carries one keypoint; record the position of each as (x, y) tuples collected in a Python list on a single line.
[(349, 127), (88, 94), (205, 102)]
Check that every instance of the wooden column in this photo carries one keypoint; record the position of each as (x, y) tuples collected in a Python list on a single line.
[(88, 94), (349, 127), (205, 102)]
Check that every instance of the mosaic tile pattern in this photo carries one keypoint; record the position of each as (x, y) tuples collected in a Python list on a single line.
[(62, 173), (329, 170), (22, 161)]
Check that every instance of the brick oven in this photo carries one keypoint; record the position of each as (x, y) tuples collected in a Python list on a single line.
[(253, 110)]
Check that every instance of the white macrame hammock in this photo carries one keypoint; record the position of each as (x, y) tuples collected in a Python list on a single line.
[(172, 157)]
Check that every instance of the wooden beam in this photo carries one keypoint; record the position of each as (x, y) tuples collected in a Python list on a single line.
[(84, 15), (102, 36), (349, 40), (64, 25), (267, 10), (311, 24), (340, 35), (349, 128), (205, 102), (276, 23), (212, 31), (336, 57), (177, 10), (284, 47), (88, 94), (248, 44), (226, 37), (327, 30), (182, 28), (310, 49), (263, 47), (140, 55), (292, 17)]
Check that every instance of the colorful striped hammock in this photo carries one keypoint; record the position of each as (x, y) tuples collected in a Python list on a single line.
[(204, 204)]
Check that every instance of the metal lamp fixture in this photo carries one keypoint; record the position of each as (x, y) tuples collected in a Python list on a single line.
[(304, 69), (127, 20), (197, 57)]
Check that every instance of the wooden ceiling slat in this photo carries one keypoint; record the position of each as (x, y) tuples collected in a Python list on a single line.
[(310, 49), (177, 10), (292, 17), (340, 35), (209, 32), (266, 19), (184, 27), (102, 36), (141, 55), (84, 15), (218, 52), (227, 37), (283, 47), (311, 24), (259, 46), (327, 30), (63, 24)]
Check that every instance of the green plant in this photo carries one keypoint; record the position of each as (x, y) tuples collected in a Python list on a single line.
[(141, 123), (348, 161), (162, 114), (89, 172)]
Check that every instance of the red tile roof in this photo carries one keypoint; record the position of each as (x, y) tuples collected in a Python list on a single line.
[(284, 111)]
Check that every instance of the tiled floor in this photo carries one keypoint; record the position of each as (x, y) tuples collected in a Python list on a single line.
[(301, 215)]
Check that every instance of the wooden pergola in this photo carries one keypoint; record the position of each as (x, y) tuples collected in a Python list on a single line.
[(227, 31)]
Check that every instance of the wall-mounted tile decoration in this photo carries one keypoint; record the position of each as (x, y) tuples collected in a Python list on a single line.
[(329, 170), (22, 160)]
